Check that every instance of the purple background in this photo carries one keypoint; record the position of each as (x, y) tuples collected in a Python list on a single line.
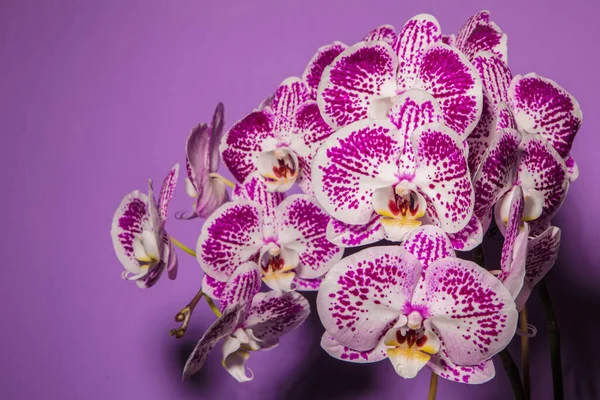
[(98, 96)]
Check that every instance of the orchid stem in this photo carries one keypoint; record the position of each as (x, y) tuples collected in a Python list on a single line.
[(525, 354), (433, 386), (185, 315), (216, 175), (554, 339), (212, 306), (183, 246), (513, 374)]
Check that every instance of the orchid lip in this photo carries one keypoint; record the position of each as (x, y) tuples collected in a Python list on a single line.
[(279, 166)]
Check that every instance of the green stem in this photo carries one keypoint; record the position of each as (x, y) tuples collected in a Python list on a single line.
[(183, 246), (525, 353), (433, 383), (554, 339), (513, 374)]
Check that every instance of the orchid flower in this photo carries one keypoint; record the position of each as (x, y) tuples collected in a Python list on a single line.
[(285, 237), (278, 140), (251, 321), (139, 237), (202, 161), (417, 305), (365, 80)]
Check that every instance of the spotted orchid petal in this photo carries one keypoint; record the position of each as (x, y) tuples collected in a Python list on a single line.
[(166, 193), (468, 237), (543, 107), (243, 142), (495, 76), (351, 164), (307, 285), (302, 225), (455, 84), (341, 352), (416, 36), (470, 308), (242, 286), (542, 252), (273, 314), (224, 326), (363, 295), (505, 118), (254, 189), (428, 243), (212, 287), (443, 175), (383, 33), (358, 84), (231, 236), (481, 34), (290, 94), (572, 168), (322, 58), (449, 39), (347, 235), (482, 135)]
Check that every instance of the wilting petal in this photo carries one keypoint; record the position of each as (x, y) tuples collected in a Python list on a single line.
[(428, 243), (470, 308), (241, 286), (242, 143), (341, 352), (234, 360), (230, 237), (541, 106), (363, 295), (322, 58), (222, 327), (495, 175), (290, 94), (455, 84), (442, 174), (347, 235), (484, 133), (212, 287), (172, 263), (302, 227), (360, 75), (351, 164), (418, 34), (468, 237), (384, 33), (495, 76), (481, 34), (166, 192), (273, 314)]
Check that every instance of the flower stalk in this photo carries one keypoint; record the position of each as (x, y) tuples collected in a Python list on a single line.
[(183, 247), (554, 339), (433, 383), (525, 353)]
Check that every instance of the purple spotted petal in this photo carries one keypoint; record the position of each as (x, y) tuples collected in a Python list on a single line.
[(449, 39), (130, 219), (347, 235), (166, 192), (428, 243), (572, 169), (351, 164), (541, 106), (241, 286), (416, 36), (455, 84), (470, 308), (273, 314), (212, 287), (442, 174), (322, 58), (495, 175), (383, 33), (241, 145), (302, 227), (290, 94), (358, 76), (229, 238), (341, 352), (307, 285), (505, 118), (468, 237), (222, 327), (481, 34), (484, 133), (255, 189), (363, 295), (495, 76)]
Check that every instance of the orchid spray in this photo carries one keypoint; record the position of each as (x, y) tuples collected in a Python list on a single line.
[(419, 143)]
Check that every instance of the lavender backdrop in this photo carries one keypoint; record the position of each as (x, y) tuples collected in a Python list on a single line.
[(98, 96)]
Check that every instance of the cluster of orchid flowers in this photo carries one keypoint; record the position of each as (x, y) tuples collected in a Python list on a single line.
[(418, 138)]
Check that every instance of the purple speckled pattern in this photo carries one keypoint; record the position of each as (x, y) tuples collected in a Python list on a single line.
[(341, 352), (358, 75), (468, 237), (322, 58), (241, 286), (470, 308), (348, 235), (442, 174), (130, 219), (481, 34), (541, 106), (212, 287), (167, 191), (307, 285), (290, 94), (383, 33), (428, 243), (495, 76), (254, 189), (418, 34), (482, 135), (363, 295), (505, 118)]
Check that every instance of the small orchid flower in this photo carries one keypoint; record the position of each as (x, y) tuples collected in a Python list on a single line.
[(383, 33), (286, 238), (202, 161), (139, 237), (365, 80), (278, 140), (251, 322), (417, 305)]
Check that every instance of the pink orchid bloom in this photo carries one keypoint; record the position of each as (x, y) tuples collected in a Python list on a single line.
[(202, 162), (278, 140), (417, 305), (251, 321), (286, 237), (139, 237)]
